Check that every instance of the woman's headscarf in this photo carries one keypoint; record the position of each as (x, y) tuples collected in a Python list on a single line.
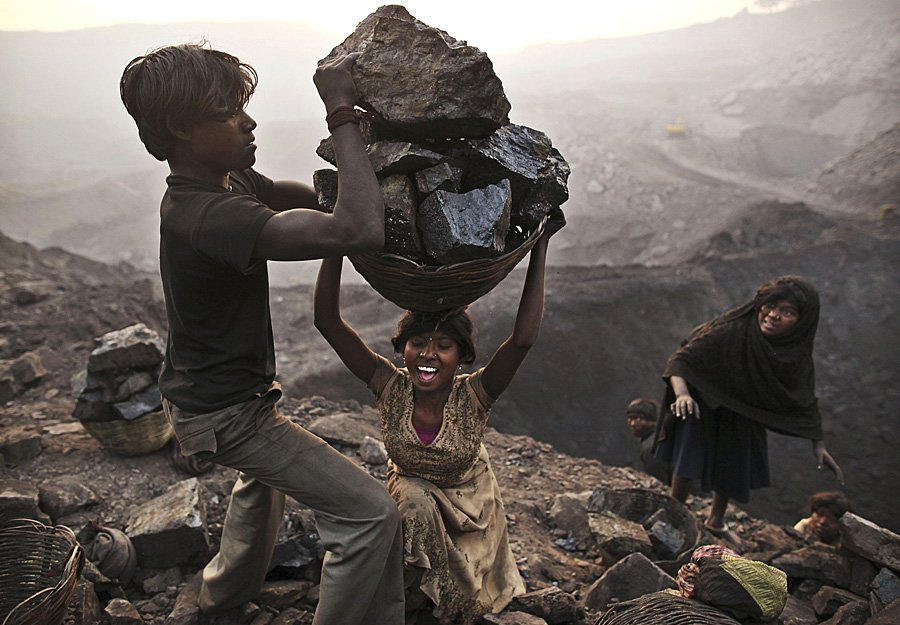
[(769, 380)]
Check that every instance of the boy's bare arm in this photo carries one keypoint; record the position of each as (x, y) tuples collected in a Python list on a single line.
[(293, 194), (357, 222)]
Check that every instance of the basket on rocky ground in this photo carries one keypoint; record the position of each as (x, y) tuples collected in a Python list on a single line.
[(143, 435), (39, 568), (639, 505), (426, 288), (664, 608)]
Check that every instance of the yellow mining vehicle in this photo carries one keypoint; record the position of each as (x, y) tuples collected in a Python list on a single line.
[(676, 129)]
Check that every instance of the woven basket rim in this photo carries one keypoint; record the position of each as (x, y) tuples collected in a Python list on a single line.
[(432, 288), (144, 435), (412, 265), (664, 607), (47, 605)]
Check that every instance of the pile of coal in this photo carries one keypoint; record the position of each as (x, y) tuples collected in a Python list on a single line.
[(118, 382), (459, 180)]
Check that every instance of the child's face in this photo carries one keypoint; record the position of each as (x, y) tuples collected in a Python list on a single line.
[(777, 318), (639, 425), (223, 145), (825, 525), (431, 360)]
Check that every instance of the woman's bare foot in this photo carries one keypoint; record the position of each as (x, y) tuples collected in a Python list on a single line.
[(726, 535)]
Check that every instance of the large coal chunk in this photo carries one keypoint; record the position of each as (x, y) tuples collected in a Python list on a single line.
[(441, 177), (325, 182), (420, 80), (134, 347), (538, 172), (400, 157), (400, 206), (139, 404), (462, 226), (171, 530), (119, 379), (389, 156)]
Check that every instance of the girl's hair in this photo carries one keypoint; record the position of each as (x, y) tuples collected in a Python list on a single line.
[(456, 324), (782, 288), (173, 87)]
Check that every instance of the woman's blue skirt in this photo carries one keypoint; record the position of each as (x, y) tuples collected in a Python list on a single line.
[(726, 452)]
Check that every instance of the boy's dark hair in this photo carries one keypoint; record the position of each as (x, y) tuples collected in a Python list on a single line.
[(173, 87), (834, 501), (646, 408), (456, 324)]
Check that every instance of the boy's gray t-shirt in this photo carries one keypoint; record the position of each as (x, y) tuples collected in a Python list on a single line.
[(220, 349)]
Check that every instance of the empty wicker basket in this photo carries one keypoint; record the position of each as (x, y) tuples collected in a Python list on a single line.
[(638, 504), (430, 289), (39, 568)]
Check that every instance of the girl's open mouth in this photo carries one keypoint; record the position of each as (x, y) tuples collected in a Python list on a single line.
[(425, 373)]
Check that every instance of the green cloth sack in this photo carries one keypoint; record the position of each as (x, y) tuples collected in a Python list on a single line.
[(745, 589)]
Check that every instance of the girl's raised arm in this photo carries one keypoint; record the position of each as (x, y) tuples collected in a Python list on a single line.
[(502, 366), (347, 344)]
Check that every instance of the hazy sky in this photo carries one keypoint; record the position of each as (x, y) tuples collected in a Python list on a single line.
[(498, 26)]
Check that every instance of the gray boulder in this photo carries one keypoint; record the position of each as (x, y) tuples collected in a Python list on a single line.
[(538, 172), (170, 530), (420, 80), (631, 577), (463, 226), (134, 347), (878, 544)]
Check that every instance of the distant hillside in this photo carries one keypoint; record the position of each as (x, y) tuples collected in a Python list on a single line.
[(867, 178)]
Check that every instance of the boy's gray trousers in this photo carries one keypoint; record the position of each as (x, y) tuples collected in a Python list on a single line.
[(358, 522)]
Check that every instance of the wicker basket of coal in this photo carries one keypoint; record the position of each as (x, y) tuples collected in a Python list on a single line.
[(466, 191), (435, 288), (117, 399), (664, 608), (628, 520), (39, 568)]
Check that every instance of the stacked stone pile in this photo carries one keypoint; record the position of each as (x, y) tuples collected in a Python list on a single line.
[(459, 180), (119, 381)]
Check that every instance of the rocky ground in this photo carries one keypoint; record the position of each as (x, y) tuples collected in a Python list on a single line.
[(55, 303), (77, 480)]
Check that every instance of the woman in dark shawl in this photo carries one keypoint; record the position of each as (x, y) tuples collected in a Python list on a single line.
[(748, 370)]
